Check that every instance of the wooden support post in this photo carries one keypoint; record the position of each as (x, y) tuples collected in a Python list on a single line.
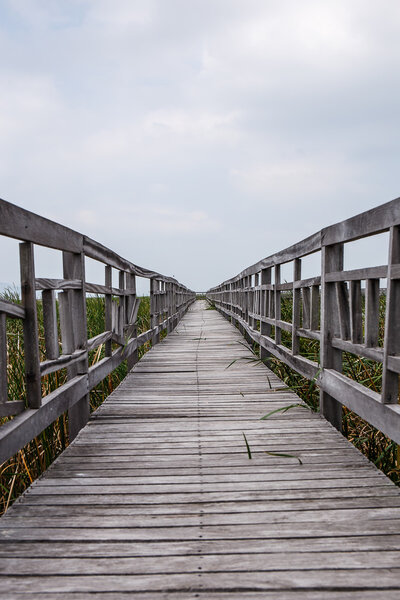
[(108, 308), (330, 358), (74, 268), (343, 309), (122, 305), (277, 304), (3, 359), (153, 309), (296, 306), (315, 308), (356, 333), (31, 337), (306, 307), (265, 328), (131, 300), (371, 312), (390, 381), (50, 324)]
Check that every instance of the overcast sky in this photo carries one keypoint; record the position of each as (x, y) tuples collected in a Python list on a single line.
[(195, 137)]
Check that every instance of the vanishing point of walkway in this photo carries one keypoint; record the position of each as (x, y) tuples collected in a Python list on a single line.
[(157, 498)]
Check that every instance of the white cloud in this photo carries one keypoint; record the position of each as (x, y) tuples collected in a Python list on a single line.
[(197, 118)]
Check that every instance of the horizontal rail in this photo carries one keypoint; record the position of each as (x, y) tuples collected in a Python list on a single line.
[(66, 342), (339, 310)]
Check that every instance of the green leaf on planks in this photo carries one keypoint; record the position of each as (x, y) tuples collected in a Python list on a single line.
[(283, 409), (247, 445), (284, 455)]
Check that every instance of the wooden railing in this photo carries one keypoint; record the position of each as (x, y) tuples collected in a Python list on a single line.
[(339, 308), (169, 300)]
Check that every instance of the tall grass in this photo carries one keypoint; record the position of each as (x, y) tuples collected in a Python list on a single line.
[(380, 449), (18, 473)]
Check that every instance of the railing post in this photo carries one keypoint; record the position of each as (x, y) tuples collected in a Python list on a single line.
[(330, 358), (154, 309), (390, 382), (277, 304), (108, 308), (296, 306), (75, 321), (265, 328), (31, 336), (131, 299)]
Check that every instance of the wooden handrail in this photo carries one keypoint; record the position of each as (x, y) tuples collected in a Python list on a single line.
[(328, 308), (169, 301)]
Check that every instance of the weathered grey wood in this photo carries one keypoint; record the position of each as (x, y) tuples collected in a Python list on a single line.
[(356, 328), (315, 307), (108, 307), (31, 338), (98, 340), (154, 317), (50, 325), (265, 328), (360, 349), (65, 360), (390, 380), (357, 274), (296, 306), (306, 308), (331, 260), (3, 359), (371, 312), (277, 304), (343, 309), (74, 268), (15, 434), (24, 225), (15, 311), (58, 284)]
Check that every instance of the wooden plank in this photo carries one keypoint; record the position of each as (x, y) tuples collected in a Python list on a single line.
[(58, 284), (15, 311), (26, 226)]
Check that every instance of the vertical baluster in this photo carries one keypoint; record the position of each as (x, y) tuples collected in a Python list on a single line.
[(296, 306), (355, 312), (108, 308), (122, 312), (31, 337), (50, 324), (390, 382), (277, 304), (315, 308), (74, 268), (306, 312), (131, 302), (3, 358), (265, 328), (153, 309), (371, 312), (330, 358), (342, 300)]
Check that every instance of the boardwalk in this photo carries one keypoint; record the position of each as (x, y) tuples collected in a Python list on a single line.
[(157, 498)]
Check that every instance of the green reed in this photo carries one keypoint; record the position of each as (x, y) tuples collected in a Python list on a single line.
[(370, 441), (22, 469)]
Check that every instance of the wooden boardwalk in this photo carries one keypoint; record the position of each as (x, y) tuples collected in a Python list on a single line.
[(157, 498)]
